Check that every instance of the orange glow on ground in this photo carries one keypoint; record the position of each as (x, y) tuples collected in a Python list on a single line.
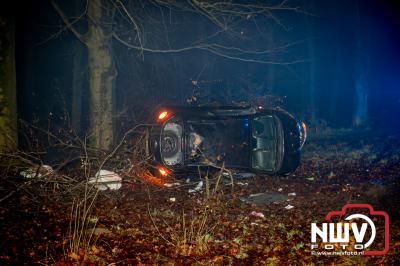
[(148, 177), (163, 171)]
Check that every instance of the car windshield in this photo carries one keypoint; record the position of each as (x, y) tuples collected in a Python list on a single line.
[(219, 141), (266, 135)]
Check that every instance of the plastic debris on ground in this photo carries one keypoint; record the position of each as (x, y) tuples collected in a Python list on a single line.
[(310, 178), (265, 198), (242, 184), (172, 199), (197, 188), (172, 184), (243, 175), (280, 189), (289, 207), (105, 179), (292, 194), (37, 171), (257, 214)]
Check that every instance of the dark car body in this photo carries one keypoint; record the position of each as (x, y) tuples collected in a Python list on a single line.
[(244, 138)]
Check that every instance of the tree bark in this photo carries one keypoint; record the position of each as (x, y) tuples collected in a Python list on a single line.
[(102, 73), (8, 101)]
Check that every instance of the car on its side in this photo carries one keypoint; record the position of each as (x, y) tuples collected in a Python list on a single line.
[(248, 139)]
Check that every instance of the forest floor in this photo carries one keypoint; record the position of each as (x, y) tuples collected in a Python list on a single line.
[(147, 225)]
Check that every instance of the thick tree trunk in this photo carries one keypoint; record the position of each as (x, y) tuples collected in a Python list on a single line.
[(102, 74), (8, 102)]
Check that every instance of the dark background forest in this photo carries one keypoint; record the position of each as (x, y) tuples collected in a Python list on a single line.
[(323, 57)]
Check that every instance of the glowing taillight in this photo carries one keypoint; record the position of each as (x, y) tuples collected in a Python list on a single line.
[(162, 116), (163, 171)]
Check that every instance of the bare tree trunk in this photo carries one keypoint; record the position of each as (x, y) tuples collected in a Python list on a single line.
[(102, 73), (8, 101)]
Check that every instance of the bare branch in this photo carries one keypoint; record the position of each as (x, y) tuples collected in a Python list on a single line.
[(214, 49), (138, 33), (62, 29), (69, 25)]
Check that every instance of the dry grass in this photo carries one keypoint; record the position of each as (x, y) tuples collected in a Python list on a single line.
[(190, 234)]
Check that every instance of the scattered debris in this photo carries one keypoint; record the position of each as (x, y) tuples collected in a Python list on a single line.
[(310, 178), (244, 229), (265, 198), (197, 188), (239, 175), (289, 207), (105, 179), (37, 171), (172, 184), (257, 214), (243, 175)]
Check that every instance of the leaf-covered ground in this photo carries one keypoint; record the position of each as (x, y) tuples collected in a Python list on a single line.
[(145, 224)]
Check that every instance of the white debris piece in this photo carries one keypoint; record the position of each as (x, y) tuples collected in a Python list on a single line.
[(280, 189), (242, 184), (197, 188), (292, 194), (289, 207), (257, 214), (105, 179), (172, 199), (37, 171), (171, 184)]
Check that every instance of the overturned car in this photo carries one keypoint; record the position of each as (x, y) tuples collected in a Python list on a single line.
[(243, 138)]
